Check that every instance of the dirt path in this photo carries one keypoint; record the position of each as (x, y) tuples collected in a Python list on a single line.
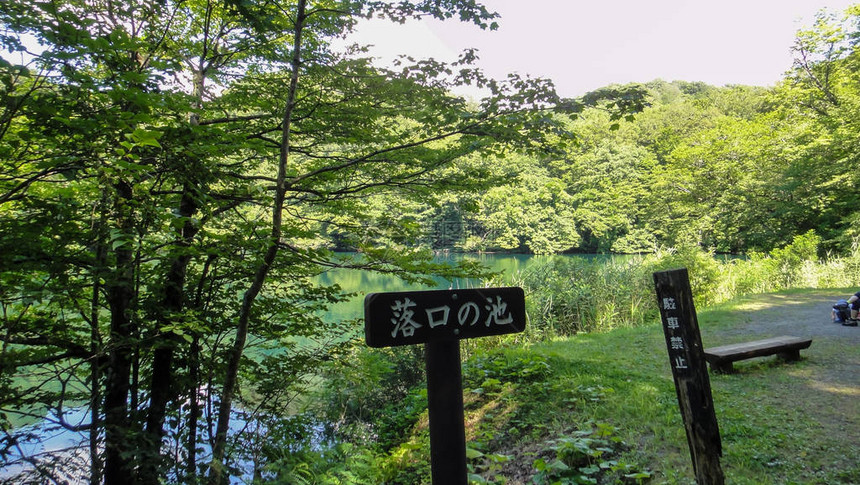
[(824, 390), (806, 315), (833, 357)]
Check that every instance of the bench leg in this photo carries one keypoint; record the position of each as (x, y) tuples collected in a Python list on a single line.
[(723, 368), (790, 355)]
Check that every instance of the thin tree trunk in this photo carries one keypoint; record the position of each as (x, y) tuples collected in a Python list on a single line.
[(162, 387), (162, 380), (216, 469), (119, 469), (193, 410), (194, 381), (96, 362)]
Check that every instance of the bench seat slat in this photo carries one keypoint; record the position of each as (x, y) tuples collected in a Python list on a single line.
[(723, 356)]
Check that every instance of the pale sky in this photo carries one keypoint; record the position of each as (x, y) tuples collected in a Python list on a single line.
[(586, 44)]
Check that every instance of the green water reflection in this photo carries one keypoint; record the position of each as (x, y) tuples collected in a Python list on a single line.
[(363, 282)]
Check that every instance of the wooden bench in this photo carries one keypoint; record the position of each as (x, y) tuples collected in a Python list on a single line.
[(788, 348)]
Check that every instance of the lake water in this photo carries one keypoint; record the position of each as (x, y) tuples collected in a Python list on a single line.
[(352, 281), (364, 282)]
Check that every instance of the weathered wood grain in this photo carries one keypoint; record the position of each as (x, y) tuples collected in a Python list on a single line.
[(787, 347)]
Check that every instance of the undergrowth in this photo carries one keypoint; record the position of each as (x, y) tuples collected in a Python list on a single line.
[(569, 401), (566, 296)]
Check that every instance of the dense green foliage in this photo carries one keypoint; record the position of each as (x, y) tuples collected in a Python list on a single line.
[(538, 414), (734, 169), (174, 174)]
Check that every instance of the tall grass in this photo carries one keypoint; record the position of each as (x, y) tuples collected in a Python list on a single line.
[(571, 295)]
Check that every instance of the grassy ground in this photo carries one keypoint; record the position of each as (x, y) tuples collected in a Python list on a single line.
[(601, 408)]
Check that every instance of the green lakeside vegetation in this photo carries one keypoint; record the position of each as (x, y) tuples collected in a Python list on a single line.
[(176, 176), (595, 403)]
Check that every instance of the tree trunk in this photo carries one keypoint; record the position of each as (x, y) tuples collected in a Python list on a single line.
[(162, 388), (96, 363), (216, 469), (193, 410), (194, 381), (119, 469)]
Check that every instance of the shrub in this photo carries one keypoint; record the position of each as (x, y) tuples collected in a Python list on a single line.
[(570, 295), (360, 389), (796, 260), (703, 269), (567, 295)]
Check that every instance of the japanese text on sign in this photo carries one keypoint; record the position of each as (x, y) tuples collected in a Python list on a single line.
[(677, 345), (416, 317), (404, 324)]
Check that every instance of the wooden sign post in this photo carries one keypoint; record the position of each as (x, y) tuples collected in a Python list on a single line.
[(440, 319), (690, 372)]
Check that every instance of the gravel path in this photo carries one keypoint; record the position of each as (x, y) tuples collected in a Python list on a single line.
[(821, 392), (834, 356), (806, 315), (824, 389)]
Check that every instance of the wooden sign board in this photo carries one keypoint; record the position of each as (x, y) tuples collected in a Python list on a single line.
[(440, 319), (690, 372), (417, 317)]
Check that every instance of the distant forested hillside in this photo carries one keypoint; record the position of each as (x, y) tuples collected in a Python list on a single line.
[(734, 169)]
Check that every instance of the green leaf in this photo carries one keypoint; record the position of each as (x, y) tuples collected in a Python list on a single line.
[(472, 453), (474, 478)]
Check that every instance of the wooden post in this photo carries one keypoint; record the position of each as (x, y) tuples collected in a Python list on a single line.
[(690, 372), (445, 409), (440, 319)]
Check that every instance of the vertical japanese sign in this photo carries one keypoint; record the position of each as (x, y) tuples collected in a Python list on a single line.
[(440, 319), (690, 372)]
